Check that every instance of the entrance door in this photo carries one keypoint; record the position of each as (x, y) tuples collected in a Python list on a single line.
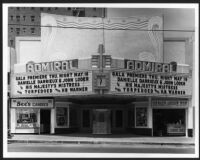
[(101, 121), (45, 121)]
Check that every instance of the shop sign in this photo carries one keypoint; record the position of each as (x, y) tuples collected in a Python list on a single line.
[(52, 66), (51, 84), (181, 103), (124, 82), (32, 103), (150, 66)]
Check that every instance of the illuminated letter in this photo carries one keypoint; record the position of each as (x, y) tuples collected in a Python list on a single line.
[(38, 67), (29, 67), (57, 66), (158, 67), (45, 66), (65, 65), (147, 66), (130, 64), (166, 68), (138, 65)]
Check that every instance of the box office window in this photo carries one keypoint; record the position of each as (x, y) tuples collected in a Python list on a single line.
[(141, 117), (62, 117), (26, 118)]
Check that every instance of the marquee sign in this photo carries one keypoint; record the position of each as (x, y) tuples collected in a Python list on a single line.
[(150, 66), (51, 84), (124, 82), (32, 103), (52, 66)]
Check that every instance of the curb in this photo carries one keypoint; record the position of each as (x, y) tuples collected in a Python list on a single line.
[(98, 142)]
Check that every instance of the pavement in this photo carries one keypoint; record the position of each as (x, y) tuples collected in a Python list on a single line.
[(100, 139)]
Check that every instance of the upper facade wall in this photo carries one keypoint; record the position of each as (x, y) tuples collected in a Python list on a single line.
[(65, 37)]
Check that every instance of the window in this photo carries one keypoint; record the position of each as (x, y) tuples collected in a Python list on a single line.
[(141, 117), (26, 118), (24, 18), (17, 31), (81, 14), (176, 49), (78, 13), (69, 9), (11, 30), (8, 78), (32, 18), (24, 30), (62, 117), (49, 9), (18, 8), (18, 18), (11, 18), (11, 42), (41, 8), (94, 9), (32, 30)]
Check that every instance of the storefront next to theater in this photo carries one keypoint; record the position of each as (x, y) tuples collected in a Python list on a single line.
[(144, 98)]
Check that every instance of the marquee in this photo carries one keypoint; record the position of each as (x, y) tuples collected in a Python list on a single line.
[(141, 83), (51, 84)]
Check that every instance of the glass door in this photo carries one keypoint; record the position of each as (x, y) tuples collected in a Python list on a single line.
[(101, 121)]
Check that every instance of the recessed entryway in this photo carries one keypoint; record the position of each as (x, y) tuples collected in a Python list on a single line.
[(45, 121)]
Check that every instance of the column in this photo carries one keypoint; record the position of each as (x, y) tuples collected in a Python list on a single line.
[(12, 119), (149, 112), (38, 118), (52, 121), (190, 120)]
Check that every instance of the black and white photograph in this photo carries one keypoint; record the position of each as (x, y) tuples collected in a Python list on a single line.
[(100, 80)]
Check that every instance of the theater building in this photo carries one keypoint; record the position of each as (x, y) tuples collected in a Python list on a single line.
[(97, 76)]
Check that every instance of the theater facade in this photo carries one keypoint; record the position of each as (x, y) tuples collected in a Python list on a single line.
[(102, 94)]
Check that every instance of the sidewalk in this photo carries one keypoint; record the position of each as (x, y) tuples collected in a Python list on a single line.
[(100, 139)]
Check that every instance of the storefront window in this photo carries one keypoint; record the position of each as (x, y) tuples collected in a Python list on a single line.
[(26, 118), (141, 117), (62, 116)]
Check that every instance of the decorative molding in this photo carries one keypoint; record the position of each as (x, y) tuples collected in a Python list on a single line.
[(155, 32)]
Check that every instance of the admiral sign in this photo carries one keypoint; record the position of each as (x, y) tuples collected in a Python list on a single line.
[(52, 66), (150, 78), (54, 78), (150, 66)]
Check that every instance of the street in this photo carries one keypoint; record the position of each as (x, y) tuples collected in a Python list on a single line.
[(98, 148)]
